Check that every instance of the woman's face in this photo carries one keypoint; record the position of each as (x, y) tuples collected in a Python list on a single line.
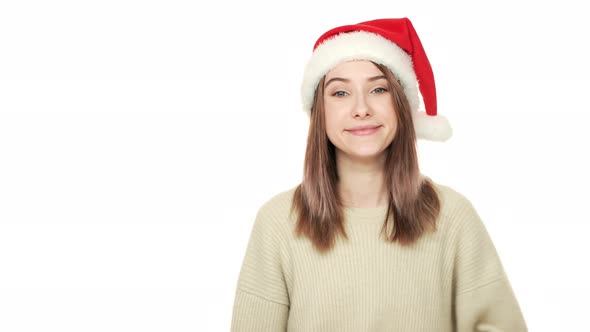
[(357, 94)]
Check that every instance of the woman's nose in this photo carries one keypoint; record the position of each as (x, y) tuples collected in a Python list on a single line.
[(361, 107)]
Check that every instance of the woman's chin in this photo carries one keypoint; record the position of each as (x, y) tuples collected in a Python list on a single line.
[(363, 155)]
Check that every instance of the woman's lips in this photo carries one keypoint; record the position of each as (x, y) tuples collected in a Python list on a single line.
[(364, 132)]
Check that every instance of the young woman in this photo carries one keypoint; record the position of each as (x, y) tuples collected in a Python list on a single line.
[(366, 242)]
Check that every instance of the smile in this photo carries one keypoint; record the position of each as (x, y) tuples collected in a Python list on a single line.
[(364, 132)]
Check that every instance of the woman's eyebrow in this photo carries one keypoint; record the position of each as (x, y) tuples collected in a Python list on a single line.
[(345, 80), (336, 79), (376, 78)]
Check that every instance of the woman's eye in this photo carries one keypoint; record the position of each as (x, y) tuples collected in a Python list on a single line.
[(339, 94), (380, 90)]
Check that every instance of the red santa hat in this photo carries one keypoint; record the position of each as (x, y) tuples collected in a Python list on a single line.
[(390, 42)]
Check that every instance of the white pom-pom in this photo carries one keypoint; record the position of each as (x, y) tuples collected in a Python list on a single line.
[(432, 128)]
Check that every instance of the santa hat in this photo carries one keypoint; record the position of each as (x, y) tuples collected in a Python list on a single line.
[(390, 42)]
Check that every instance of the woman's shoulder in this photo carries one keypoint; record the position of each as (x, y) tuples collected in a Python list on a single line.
[(276, 208), (453, 202), (448, 194), (278, 201)]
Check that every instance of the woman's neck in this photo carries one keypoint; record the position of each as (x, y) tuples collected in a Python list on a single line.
[(361, 184)]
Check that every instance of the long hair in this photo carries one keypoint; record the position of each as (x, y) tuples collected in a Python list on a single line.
[(413, 201)]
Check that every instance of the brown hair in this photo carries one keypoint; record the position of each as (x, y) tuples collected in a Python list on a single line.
[(413, 201)]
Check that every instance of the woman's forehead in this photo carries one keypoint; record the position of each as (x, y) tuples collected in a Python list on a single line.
[(354, 69)]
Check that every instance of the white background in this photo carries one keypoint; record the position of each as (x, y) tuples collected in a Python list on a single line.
[(138, 140)]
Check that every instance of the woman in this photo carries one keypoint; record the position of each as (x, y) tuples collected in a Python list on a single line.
[(365, 242)]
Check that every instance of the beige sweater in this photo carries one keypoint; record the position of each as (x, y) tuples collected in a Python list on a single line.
[(452, 280)]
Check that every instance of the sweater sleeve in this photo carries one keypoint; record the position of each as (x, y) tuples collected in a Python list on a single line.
[(261, 299), (484, 300)]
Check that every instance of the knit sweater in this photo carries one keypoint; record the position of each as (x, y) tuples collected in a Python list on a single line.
[(450, 280)]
